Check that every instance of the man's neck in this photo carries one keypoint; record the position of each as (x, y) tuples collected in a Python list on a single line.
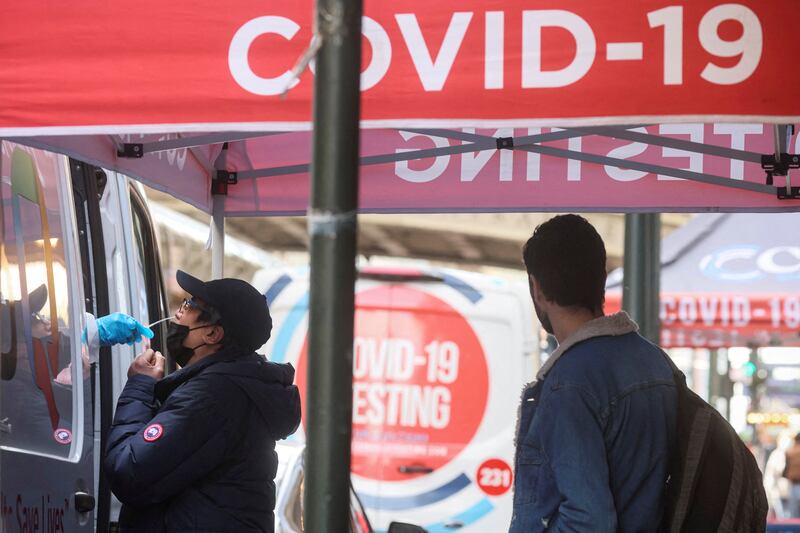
[(203, 352), (567, 321)]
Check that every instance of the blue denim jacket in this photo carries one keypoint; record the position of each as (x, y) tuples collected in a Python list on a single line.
[(595, 436)]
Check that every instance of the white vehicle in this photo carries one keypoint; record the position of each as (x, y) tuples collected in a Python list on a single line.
[(289, 501), (75, 239), (289, 504), (440, 358)]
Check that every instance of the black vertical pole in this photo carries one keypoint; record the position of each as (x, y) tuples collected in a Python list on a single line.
[(642, 271), (719, 382), (332, 228), (727, 385), (714, 378)]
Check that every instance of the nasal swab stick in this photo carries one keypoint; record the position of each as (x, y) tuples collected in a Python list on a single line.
[(159, 321)]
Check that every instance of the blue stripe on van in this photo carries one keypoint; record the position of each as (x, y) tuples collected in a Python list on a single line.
[(401, 503), (471, 515), (290, 323), (468, 291), (276, 288), (297, 312)]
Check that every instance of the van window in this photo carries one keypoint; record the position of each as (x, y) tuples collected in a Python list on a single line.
[(359, 523), (40, 361), (153, 301)]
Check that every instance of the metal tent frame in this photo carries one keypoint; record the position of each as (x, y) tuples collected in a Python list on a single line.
[(775, 164)]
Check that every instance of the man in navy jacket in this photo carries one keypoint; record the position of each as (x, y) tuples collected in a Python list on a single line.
[(195, 451)]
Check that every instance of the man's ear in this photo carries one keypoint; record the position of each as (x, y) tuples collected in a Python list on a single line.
[(536, 289), (215, 335)]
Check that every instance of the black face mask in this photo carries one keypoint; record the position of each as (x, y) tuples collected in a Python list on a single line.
[(176, 334)]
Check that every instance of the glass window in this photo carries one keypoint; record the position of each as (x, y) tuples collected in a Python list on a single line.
[(359, 523), (40, 361), (151, 300), (140, 269), (295, 513)]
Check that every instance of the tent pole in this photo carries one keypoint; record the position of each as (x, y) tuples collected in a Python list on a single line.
[(718, 380), (727, 384), (332, 228), (642, 272), (714, 378), (217, 236)]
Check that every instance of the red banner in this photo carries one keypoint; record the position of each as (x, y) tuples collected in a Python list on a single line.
[(724, 320), (98, 66)]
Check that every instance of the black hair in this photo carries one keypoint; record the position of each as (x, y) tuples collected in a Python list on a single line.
[(567, 257), (212, 317), (207, 316)]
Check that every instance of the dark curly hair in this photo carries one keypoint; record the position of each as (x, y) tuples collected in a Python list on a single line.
[(567, 257)]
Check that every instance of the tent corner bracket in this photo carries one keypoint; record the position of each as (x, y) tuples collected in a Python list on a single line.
[(788, 193), (505, 143), (779, 165), (131, 150), (221, 180)]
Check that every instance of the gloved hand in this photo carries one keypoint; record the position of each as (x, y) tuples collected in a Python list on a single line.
[(119, 328)]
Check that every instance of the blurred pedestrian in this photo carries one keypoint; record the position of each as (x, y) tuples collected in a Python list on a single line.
[(776, 486), (792, 472)]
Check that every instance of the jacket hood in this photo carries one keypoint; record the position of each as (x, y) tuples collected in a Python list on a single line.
[(270, 386)]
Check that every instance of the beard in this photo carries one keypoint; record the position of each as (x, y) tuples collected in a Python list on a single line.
[(543, 318)]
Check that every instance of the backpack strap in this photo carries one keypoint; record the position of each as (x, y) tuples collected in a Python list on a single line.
[(690, 467), (682, 476)]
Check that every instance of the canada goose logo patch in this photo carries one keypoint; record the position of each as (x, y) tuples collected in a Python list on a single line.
[(62, 436), (153, 432)]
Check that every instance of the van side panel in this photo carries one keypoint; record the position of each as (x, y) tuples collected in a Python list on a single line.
[(71, 242), (438, 368), (46, 442)]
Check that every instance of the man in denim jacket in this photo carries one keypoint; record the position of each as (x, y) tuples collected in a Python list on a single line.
[(595, 429)]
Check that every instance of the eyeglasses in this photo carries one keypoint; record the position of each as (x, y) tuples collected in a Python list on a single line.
[(189, 303), (36, 317)]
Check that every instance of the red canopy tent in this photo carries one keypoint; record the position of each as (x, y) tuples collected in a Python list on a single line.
[(493, 105), (459, 106)]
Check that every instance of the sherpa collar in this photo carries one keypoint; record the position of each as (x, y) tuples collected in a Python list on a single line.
[(616, 324)]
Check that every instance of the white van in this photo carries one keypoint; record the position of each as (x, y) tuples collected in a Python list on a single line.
[(75, 239), (440, 358)]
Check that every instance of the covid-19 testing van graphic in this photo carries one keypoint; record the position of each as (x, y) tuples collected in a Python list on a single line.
[(439, 360)]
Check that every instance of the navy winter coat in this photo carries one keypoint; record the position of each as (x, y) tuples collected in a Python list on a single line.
[(196, 450)]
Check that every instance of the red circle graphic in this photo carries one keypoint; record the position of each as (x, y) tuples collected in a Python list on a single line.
[(420, 383), (494, 477)]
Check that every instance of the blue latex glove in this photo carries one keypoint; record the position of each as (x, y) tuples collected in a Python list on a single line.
[(119, 328)]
